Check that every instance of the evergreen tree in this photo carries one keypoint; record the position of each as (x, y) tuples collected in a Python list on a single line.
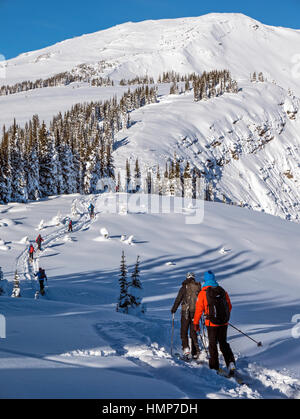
[(124, 298), (135, 292), (128, 176), (47, 163), (137, 175), (32, 165), (17, 161), (188, 187)]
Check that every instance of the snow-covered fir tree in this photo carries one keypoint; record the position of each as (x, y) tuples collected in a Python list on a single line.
[(135, 291), (124, 298)]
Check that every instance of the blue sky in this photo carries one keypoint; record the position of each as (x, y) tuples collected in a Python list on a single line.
[(27, 25)]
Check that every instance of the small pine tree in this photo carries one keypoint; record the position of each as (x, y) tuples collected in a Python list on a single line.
[(124, 299), (135, 286), (16, 292), (135, 292), (128, 176)]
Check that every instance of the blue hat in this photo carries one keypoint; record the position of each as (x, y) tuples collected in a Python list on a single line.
[(209, 279)]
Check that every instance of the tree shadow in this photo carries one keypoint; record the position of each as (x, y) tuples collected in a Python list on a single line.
[(120, 143)]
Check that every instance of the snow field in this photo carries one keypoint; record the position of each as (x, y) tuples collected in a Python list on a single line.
[(73, 340)]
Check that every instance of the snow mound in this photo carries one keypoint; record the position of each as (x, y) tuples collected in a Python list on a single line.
[(170, 263), (41, 225), (224, 251), (6, 222), (129, 241), (104, 236), (24, 240), (3, 246), (123, 210), (104, 233)]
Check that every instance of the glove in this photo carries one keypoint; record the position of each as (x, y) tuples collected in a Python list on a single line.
[(196, 327)]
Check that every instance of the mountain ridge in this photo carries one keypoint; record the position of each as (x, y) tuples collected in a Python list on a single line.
[(185, 45)]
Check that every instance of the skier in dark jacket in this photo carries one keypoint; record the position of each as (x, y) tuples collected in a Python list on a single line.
[(70, 229), (39, 241), (41, 277), (187, 297), (91, 210)]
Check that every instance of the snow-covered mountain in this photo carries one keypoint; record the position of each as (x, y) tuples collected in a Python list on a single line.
[(248, 143), (232, 41)]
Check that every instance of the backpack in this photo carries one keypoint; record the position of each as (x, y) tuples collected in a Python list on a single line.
[(218, 307), (191, 294), (43, 275)]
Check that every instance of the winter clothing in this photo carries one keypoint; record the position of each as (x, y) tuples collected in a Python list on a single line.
[(202, 307), (188, 291), (209, 279), (91, 210), (31, 252), (70, 226), (41, 277), (39, 241), (217, 334), (187, 297), (185, 327)]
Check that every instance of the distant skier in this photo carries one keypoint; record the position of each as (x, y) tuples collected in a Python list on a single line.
[(70, 228), (31, 252), (215, 303), (187, 297), (41, 277), (91, 210), (1, 279), (39, 241)]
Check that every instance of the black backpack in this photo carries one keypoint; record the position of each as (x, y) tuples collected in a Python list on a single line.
[(191, 294), (43, 274), (218, 307)]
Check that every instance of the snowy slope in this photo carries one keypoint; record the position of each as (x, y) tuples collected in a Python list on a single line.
[(250, 140), (232, 41), (72, 343), (254, 134)]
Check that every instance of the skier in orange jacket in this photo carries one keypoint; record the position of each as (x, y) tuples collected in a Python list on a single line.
[(214, 302)]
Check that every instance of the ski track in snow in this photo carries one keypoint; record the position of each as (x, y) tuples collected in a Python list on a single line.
[(199, 381), (29, 268), (145, 343)]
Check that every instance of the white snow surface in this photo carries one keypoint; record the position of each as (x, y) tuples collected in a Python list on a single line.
[(72, 342)]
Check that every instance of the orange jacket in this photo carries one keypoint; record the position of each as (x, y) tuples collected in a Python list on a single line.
[(202, 307)]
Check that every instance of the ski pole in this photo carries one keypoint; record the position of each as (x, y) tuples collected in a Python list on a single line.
[(202, 338), (172, 337), (257, 343)]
